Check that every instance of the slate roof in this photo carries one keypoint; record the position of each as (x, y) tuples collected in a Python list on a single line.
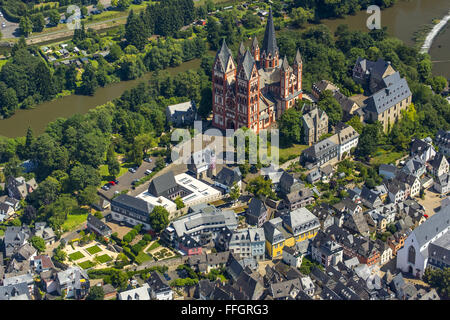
[(157, 283), (432, 226), (138, 205), (270, 42), (15, 292), (437, 160), (388, 97), (247, 64), (256, 208), (283, 289), (98, 224), (162, 184), (228, 176), (224, 54), (440, 249)]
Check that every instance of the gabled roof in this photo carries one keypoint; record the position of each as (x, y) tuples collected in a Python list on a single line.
[(432, 226), (388, 97), (162, 184), (228, 176), (140, 206), (247, 64), (438, 160), (256, 207)]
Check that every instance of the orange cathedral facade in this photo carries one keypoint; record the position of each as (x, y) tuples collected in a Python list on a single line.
[(256, 90)]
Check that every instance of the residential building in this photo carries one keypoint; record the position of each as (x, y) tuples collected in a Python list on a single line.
[(442, 141), (423, 149), (182, 114), (370, 198), (73, 283), (326, 251), (189, 245), (45, 232), (248, 243), (292, 257), (321, 86), (256, 213), (289, 184), (158, 287), (140, 293), (320, 153), (346, 138), (98, 226), (415, 166), (131, 210), (442, 184), (298, 199), (227, 177), (289, 229), (256, 90), (18, 291), (203, 225), (15, 237), (315, 125), (439, 165), (19, 188)]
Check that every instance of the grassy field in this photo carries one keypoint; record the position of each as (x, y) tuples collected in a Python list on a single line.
[(86, 264), (385, 157), (292, 152), (103, 258), (106, 177), (73, 221), (153, 246), (142, 257), (94, 249), (76, 255), (2, 63)]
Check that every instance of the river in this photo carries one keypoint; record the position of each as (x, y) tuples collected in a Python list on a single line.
[(40, 116), (401, 20)]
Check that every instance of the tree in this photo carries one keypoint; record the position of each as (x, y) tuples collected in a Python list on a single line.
[(38, 243), (59, 255), (54, 17), (356, 123), (38, 22), (331, 107), (250, 21), (115, 52), (112, 162), (84, 11), (290, 125), (29, 215), (123, 4), (368, 141), (179, 202), (89, 80), (26, 25), (159, 218), (300, 16), (96, 293), (213, 33), (88, 196), (29, 140), (260, 187), (438, 84), (119, 279), (135, 31), (235, 192), (82, 176)]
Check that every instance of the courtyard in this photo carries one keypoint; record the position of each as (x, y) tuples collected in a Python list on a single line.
[(91, 255)]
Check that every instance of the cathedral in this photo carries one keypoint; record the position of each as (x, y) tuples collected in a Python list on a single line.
[(257, 88)]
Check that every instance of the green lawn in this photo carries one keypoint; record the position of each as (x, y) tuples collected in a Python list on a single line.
[(86, 264), (153, 246), (76, 256), (142, 257), (94, 249), (73, 221), (104, 258), (292, 152), (385, 157), (2, 63), (106, 177)]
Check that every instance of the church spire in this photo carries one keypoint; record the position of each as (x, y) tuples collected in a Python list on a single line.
[(270, 42)]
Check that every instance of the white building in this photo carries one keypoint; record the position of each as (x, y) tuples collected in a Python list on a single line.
[(141, 293), (414, 255), (248, 243)]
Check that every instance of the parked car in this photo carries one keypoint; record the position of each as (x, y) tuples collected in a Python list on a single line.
[(106, 187), (132, 170), (112, 183), (149, 160), (148, 171), (116, 181), (134, 182)]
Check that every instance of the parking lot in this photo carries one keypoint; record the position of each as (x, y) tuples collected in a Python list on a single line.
[(10, 30), (127, 178)]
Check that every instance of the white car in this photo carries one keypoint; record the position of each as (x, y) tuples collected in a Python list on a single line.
[(148, 171), (3, 25)]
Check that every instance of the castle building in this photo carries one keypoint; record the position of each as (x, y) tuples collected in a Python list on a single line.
[(257, 88)]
